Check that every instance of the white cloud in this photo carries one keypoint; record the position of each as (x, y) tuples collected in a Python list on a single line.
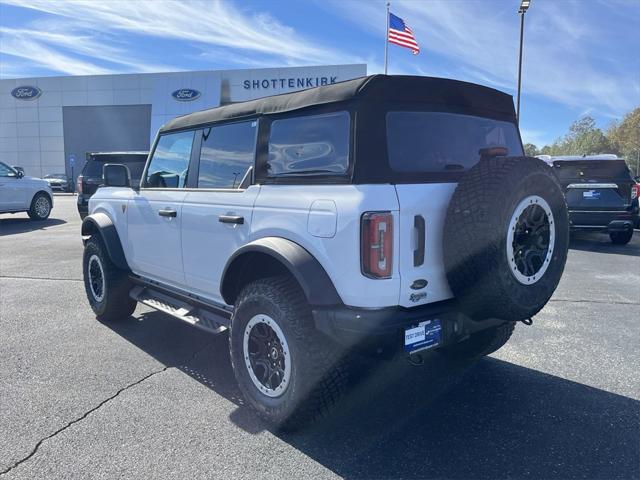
[(29, 49), (207, 24), (50, 49)]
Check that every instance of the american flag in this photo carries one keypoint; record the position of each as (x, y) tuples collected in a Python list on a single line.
[(401, 34)]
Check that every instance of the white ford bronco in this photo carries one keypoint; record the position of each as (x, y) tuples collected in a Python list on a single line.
[(382, 214)]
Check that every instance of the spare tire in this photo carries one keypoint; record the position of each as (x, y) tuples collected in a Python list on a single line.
[(506, 237)]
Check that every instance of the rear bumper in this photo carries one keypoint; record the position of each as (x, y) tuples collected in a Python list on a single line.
[(383, 329), (611, 221)]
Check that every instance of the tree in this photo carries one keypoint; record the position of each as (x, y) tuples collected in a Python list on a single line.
[(546, 150), (625, 136), (531, 150), (584, 138)]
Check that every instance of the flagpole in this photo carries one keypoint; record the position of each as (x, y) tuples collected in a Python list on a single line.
[(386, 41)]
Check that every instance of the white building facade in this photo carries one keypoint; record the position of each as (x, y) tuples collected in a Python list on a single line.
[(49, 124)]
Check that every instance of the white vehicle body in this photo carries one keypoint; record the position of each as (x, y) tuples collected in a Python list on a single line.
[(383, 214), (17, 193), (189, 248), (324, 220)]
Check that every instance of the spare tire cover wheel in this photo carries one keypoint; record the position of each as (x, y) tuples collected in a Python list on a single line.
[(506, 238), (530, 238)]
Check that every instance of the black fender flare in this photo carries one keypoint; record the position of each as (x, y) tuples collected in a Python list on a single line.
[(102, 224), (310, 275)]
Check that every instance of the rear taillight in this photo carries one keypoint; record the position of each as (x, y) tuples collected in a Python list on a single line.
[(635, 191), (79, 184), (376, 244)]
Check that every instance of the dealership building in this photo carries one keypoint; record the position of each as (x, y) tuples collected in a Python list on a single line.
[(49, 124)]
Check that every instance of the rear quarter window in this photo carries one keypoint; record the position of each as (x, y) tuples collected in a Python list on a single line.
[(444, 142), (309, 145)]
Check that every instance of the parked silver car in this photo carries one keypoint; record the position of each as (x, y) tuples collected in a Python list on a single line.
[(58, 181), (24, 194)]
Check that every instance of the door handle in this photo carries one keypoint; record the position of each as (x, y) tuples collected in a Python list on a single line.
[(167, 212), (237, 219)]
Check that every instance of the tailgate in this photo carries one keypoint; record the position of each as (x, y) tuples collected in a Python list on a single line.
[(423, 208), (90, 185), (598, 196), (595, 184)]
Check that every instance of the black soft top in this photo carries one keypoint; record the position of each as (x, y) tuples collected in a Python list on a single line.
[(371, 89)]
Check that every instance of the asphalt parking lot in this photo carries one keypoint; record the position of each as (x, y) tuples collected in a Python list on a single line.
[(150, 397)]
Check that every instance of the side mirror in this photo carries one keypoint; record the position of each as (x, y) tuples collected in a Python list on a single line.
[(116, 175), (19, 174)]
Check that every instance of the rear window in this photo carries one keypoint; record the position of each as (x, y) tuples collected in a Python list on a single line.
[(135, 162), (442, 142), (593, 170), (309, 145)]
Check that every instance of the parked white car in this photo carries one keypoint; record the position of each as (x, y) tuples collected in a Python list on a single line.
[(24, 194)]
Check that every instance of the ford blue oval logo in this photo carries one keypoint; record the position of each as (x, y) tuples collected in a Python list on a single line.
[(185, 94), (26, 93)]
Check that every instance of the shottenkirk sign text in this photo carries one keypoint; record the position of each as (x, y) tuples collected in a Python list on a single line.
[(302, 82)]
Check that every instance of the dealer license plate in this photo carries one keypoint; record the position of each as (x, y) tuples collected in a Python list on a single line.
[(591, 195), (427, 334)]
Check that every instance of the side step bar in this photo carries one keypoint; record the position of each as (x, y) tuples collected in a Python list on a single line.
[(197, 315)]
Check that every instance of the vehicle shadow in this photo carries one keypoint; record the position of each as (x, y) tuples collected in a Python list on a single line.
[(600, 243), (12, 226), (488, 420)]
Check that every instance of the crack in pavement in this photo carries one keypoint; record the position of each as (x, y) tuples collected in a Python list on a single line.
[(76, 420), (97, 407), (604, 302), (15, 277)]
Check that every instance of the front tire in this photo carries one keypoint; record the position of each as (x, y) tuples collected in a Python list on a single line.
[(289, 373), (621, 238), (40, 207), (107, 286)]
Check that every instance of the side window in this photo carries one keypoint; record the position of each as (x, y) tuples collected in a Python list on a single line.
[(227, 155), (308, 145), (6, 171), (170, 162)]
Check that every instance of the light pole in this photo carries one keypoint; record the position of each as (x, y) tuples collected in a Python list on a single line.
[(524, 6)]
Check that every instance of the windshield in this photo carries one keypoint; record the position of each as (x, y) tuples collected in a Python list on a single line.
[(135, 162), (439, 142), (56, 175)]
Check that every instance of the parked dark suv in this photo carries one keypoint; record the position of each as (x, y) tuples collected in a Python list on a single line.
[(600, 192), (91, 177)]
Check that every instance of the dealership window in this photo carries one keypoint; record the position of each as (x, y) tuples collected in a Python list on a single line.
[(170, 162), (441, 142), (227, 155), (309, 145)]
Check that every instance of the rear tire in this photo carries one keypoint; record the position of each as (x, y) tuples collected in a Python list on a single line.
[(621, 238), (272, 315), (40, 207), (481, 343), (106, 285)]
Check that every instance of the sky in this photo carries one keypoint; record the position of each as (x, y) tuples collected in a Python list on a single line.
[(580, 57)]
